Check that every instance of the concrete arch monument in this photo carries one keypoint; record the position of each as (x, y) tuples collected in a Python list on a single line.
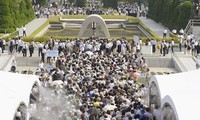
[(94, 18)]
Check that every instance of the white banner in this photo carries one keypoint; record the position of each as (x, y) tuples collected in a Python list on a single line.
[(136, 38), (49, 67), (143, 75), (52, 53)]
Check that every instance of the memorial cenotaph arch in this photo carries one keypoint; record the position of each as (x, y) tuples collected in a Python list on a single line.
[(94, 19)]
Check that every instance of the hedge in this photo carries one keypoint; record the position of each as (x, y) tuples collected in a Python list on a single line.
[(46, 38)]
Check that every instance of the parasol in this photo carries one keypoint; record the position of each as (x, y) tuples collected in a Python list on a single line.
[(109, 107)]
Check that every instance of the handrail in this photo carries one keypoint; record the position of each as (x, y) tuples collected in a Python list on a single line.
[(6, 62), (124, 26), (144, 31), (191, 23), (188, 26)]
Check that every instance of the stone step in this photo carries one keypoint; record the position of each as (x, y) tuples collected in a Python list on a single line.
[(5, 61)]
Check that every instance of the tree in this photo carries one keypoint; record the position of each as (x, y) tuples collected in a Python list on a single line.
[(110, 3), (6, 21), (171, 13), (80, 3), (29, 10), (41, 2), (184, 14), (15, 13)]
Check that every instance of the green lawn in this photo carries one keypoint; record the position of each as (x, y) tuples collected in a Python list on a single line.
[(113, 32), (131, 20), (56, 19)]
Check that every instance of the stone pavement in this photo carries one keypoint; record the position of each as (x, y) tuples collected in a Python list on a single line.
[(154, 26), (27, 63), (196, 32), (186, 61), (32, 26), (5, 61), (31, 63), (23, 63)]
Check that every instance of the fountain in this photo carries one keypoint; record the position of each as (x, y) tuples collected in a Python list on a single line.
[(53, 104)]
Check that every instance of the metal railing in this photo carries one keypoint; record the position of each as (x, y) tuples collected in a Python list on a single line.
[(144, 31), (192, 22)]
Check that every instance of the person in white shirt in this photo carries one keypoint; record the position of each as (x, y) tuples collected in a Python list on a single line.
[(165, 33), (174, 31), (43, 53), (137, 47), (24, 31), (16, 44), (107, 46), (165, 47), (123, 48), (82, 46), (188, 37), (89, 47), (31, 47), (3, 46), (118, 44), (153, 42), (11, 45), (40, 65), (97, 47), (160, 46), (40, 46), (25, 47), (180, 42), (13, 66), (172, 45), (181, 32), (21, 44)]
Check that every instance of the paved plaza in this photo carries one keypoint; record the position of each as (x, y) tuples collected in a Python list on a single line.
[(32, 26), (157, 28)]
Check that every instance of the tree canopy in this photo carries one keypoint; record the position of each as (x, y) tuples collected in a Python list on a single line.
[(80, 3), (14, 13), (41, 2), (172, 13), (110, 3)]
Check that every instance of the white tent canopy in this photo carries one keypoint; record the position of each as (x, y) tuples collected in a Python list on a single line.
[(14, 89), (9, 107), (181, 92)]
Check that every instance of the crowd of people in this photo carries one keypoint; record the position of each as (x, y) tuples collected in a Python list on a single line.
[(162, 46), (70, 9), (17, 45), (103, 75), (132, 10), (186, 43)]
